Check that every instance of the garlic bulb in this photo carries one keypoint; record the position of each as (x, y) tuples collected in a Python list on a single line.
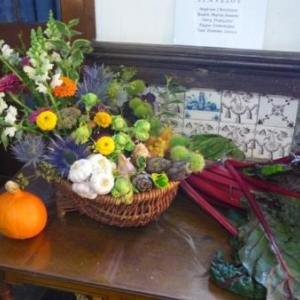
[(100, 163), (102, 183), (83, 189), (80, 170)]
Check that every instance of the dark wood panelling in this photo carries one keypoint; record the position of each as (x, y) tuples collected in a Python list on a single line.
[(85, 11), (241, 70)]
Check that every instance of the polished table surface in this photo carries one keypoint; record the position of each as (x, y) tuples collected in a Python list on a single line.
[(167, 259)]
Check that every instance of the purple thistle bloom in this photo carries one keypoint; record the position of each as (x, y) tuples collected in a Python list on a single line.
[(29, 150), (10, 83), (95, 80), (64, 152)]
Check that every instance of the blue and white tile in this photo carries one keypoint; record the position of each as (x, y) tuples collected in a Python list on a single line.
[(163, 99), (202, 104), (191, 127), (241, 134), (239, 107), (277, 111), (272, 142)]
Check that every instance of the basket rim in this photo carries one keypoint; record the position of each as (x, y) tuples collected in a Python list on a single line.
[(137, 197)]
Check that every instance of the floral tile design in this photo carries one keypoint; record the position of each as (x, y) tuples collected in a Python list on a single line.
[(242, 135), (263, 126), (176, 123), (239, 107), (296, 137), (177, 107), (277, 111), (191, 127), (272, 142), (204, 104)]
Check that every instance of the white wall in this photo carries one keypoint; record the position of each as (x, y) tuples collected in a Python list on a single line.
[(152, 21), (138, 21)]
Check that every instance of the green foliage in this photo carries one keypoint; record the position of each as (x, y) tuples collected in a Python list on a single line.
[(215, 146), (169, 96), (280, 275), (235, 278)]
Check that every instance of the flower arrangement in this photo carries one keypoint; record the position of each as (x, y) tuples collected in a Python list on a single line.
[(85, 123)]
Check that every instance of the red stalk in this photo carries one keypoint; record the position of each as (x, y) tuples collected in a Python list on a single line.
[(214, 190), (270, 187), (263, 222), (198, 199)]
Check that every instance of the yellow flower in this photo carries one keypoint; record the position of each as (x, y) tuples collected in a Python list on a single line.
[(105, 145), (46, 120), (102, 119), (66, 89)]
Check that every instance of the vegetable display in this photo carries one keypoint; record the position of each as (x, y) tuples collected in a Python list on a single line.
[(264, 203)]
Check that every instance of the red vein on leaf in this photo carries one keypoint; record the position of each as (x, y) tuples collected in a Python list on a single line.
[(262, 220)]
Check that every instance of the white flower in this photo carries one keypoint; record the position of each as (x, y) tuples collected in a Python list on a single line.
[(42, 77), (10, 131), (56, 81), (11, 115), (3, 104), (6, 51), (30, 71), (46, 65), (55, 57), (41, 88)]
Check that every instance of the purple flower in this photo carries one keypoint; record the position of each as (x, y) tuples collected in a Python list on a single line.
[(33, 115), (9, 83), (25, 61)]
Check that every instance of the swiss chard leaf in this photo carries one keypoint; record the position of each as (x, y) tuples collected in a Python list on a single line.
[(271, 240), (235, 278), (257, 255)]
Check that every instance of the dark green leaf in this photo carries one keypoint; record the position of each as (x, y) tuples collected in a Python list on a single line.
[(81, 44), (235, 278), (279, 274), (63, 28)]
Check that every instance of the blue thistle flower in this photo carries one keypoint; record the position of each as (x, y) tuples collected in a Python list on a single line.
[(95, 80), (63, 153), (29, 150)]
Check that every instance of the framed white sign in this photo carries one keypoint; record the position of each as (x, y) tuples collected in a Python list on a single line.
[(220, 23)]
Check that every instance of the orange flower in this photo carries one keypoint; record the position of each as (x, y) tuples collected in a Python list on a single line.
[(66, 89)]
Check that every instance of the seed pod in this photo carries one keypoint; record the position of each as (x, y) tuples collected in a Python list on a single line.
[(156, 164), (179, 170)]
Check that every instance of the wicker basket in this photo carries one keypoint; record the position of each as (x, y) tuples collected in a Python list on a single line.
[(145, 207)]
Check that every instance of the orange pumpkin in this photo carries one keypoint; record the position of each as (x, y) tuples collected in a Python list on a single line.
[(22, 214)]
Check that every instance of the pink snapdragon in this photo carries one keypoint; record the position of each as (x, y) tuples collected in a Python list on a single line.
[(10, 83)]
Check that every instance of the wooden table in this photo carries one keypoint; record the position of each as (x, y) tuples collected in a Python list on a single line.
[(167, 259)]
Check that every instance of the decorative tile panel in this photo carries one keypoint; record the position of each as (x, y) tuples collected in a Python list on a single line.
[(176, 123), (204, 104), (191, 127), (277, 111), (242, 135), (239, 107), (272, 142), (263, 126)]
